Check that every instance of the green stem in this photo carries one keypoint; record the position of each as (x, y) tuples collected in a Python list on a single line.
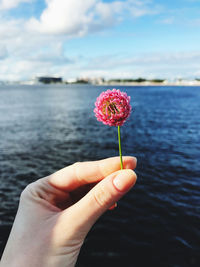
[(120, 148)]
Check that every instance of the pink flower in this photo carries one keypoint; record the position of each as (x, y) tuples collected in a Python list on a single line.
[(112, 107)]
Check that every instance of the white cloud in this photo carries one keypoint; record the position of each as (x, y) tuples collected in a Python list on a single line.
[(24, 54), (10, 29), (3, 52), (149, 65), (77, 18), (168, 21), (141, 8), (36, 46), (51, 60), (66, 17), (8, 4), (13, 69), (148, 59)]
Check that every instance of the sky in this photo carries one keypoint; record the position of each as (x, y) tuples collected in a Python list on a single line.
[(99, 38)]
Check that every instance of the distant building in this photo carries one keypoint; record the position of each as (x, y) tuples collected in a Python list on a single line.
[(98, 80), (47, 80)]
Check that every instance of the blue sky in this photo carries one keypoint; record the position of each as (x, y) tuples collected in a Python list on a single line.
[(99, 38)]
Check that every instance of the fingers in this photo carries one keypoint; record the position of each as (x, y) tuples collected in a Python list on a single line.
[(100, 198), (81, 173)]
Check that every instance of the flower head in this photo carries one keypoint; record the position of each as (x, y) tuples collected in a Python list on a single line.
[(112, 107)]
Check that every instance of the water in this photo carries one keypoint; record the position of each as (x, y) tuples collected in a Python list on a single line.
[(44, 128)]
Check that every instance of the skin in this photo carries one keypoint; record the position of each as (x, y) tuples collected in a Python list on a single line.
[(56, 212)]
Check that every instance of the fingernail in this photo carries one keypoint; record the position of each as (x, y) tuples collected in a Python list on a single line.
[(124, 180)]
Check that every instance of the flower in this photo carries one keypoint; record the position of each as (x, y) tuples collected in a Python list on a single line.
[(112, 107)]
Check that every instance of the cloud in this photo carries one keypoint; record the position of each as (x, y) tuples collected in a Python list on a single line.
[(149, 65), (168, 21), (36, 46), (53, 54), (24, 54), (10, 29), (164, 59), (141, 8), (78, 18), (8, 4), (73, 17), (3, 52), (148, 59), (20, 69)]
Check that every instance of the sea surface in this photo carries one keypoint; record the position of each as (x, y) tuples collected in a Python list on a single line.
[(45, 128)]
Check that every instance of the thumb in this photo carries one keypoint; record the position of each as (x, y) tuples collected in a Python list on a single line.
[(102, 197)]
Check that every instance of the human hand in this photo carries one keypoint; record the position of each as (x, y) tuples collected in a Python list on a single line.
[(56, 212)]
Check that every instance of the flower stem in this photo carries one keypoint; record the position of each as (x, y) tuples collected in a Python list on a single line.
[(120, 149)]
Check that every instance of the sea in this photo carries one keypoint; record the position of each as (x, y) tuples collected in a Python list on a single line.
[(44, 128)]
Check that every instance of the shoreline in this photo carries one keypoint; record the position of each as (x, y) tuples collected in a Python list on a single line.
[(151, 84), (138, 84)]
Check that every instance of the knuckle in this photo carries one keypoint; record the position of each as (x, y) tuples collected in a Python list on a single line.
[(76, 164), (27, 191), (76, 167), (102, 196), (77, 172)]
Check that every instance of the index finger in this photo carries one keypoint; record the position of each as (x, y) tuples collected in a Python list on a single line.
[(81, 173)]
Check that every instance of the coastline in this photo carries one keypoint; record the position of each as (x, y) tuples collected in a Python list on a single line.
[(186, 83), (192, 83)]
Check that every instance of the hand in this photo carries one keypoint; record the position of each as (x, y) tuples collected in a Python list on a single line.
[(56, 212)]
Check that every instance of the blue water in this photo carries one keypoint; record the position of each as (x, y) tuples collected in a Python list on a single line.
[(44, 128)]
